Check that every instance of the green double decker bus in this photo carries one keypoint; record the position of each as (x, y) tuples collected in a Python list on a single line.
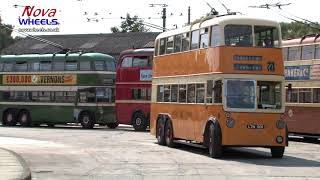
[(57, 89)]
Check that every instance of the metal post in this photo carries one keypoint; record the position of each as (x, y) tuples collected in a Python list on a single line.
[(164, 17), (189, 14)]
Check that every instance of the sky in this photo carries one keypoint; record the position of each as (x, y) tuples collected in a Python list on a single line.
[(72, 18)]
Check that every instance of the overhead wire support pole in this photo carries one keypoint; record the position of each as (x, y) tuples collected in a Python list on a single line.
[(189, 15), (164, 14)]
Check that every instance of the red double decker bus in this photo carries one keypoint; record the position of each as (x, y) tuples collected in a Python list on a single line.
[(133, 87)]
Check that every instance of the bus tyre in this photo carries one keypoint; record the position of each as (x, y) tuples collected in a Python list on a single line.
[(86, 120), (277, 152), (113, 125), (168, 131), (214, 141), (51, 125), (9, 118), (160, 133), (24, 118), (139, 122)]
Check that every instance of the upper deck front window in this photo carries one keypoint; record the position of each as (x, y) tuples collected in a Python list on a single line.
[(238, 35), (266, 36)]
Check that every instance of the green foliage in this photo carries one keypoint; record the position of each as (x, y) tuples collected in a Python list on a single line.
[(295, 29), (5, 36), (130, 24)]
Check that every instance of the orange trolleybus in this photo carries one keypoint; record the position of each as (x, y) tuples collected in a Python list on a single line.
[(220, 83)]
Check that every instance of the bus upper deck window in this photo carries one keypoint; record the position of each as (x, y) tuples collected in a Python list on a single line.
[(21, 66), (140, 61), (1, 66), (238, 35), (266, 36), (204, 37), (34, 66), (71, 65), (99, 65), (7, 66), (85, 66), (162, 46), (177, 43), (195, 39), (169, 47), (58, 66), (127, 62), (215, 36), (185, 42), (110, 65), (45, 66)]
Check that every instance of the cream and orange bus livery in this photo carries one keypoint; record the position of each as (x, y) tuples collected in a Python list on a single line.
[(220, 83)]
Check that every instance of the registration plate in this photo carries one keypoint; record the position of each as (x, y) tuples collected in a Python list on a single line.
[(255, 126)]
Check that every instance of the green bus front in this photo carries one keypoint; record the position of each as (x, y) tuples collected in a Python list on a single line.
[(57, 89)]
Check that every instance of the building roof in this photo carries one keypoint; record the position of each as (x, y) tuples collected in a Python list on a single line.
[(112, 44)]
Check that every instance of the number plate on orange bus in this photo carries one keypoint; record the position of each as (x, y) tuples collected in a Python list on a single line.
[(255, 126)]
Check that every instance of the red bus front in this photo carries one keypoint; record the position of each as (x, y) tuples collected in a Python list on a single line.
[(133, 88)]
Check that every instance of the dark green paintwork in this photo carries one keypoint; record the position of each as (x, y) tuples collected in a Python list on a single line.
[(62, 114)]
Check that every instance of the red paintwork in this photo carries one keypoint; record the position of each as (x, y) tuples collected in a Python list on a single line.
[(126, 80), (303, 120)]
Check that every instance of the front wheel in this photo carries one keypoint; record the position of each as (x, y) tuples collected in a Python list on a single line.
[(139, 122), (87, 120), (277, 152), (113, 125), (160, 133), (215, 147)]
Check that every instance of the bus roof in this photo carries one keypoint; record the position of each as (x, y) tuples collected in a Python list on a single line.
[(148, 51), (223, 20), (309, 39), (57, 57)]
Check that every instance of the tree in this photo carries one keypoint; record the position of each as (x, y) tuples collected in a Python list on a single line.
[(295, 29), (5, 35), (130, 24)]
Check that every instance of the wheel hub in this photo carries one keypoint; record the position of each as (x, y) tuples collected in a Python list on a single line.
[(86, 119), (9, 117), (138, 121)]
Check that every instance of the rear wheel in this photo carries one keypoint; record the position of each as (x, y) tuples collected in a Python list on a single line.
[(24, 118), (169, 134), (50, 125), (113, 125), (277, 152), (160, 134), (9, 118), (214, 144), (87, 120)]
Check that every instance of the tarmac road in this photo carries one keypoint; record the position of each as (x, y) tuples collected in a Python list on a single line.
[(102, 153)]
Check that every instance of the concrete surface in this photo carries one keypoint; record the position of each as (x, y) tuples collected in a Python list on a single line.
[(102, 153)]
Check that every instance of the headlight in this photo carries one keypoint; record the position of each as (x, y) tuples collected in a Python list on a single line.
[(279, 139), (230, 123), (281, 124)]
